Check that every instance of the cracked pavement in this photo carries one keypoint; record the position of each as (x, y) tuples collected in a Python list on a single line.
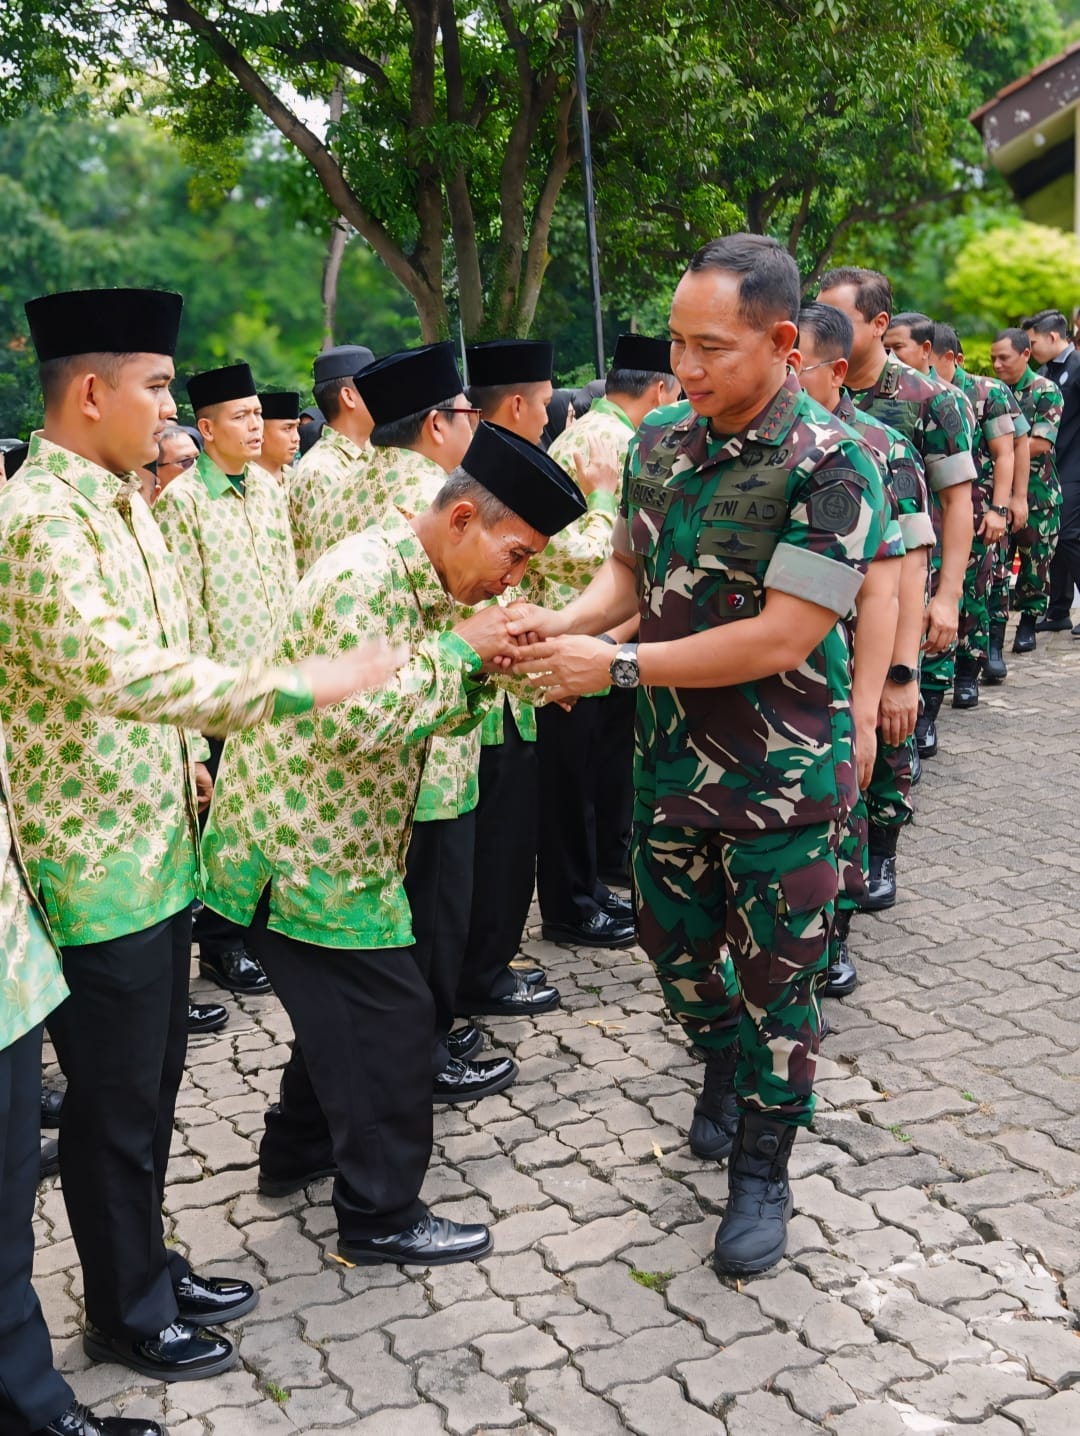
[(934, 1259)]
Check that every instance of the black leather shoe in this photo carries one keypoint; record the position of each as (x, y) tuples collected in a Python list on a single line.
[(966, 684), (995, 669), (465, 1042), (205, 1017), (753, 1235), (236, 971), (716, 1113), (50, 1158), (182, 1352), (1024, 640), (600, 930), (79, 1420), (433, 1241), (466, 1081), (618, 908), (206, 1300), (51, 1103), (523, 1001), (1053, 625)]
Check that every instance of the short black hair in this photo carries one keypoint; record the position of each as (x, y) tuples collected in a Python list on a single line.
[(1047, 321), (873, 292), (54, 375), (327, 395), (399, 433), (769, 289), (921, 326), (633, 382), (830, 328), (488, 397), (945, 340), (1017, 338)]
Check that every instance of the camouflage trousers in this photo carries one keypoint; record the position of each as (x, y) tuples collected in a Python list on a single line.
[(770, 896), (973, 637), (885, 804), (1035, 543), (936, 670)]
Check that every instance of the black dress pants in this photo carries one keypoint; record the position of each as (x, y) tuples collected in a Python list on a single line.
[(32, 1392), (214, 933), (1065, 565), (439, 885), (121, 1038), (615, 783), (504, 872), (567, 751), (358, 1082)]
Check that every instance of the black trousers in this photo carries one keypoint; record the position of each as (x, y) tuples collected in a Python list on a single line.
[(31, 1391), (121, 1038), (615, 783), (439, 883), (504, 871), (1065, 565), (358, 1082), (215, 934)]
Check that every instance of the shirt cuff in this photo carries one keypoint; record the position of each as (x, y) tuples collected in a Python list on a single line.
[(918, 531), (809, 575), (1039, 430), (600, 501), (944, 471), (293, 694), (995, 428), (456, 647)]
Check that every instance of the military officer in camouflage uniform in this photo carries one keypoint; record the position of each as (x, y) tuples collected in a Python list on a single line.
[(1033, 525), (885, 657), (748, 520)]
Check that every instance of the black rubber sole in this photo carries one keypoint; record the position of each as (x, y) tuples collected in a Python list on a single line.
[(567, 937), (103, 1351), (364, 1257), (727, 1267), (285, 1186), (228, 1313), (492, 1007)]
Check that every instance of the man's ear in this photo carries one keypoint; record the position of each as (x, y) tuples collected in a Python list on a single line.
[(86, 395), (206, 429)]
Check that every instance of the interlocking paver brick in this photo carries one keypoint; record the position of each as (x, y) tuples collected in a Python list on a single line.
[(968, 1392), (744, 1366), (650, 1407)]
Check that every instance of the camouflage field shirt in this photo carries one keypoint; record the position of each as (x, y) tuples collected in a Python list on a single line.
[(31, 985), (95, 671), (1041, 401), (321, 807), (930, 414), (904, 475), (996, 414), (235, 554), (794, 503), (322, 495)]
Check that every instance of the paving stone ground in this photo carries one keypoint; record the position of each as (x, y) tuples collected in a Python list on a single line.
[(934, 1264)]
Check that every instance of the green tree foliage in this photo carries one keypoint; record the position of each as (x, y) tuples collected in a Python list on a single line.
[(90, 200), (1013, 270)]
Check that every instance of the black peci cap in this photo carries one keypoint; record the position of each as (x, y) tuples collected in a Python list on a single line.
[(510, 361), (220, 386), (526, 480), (341, 363), (104, 321), (412, 381), (647, 356), (283, 404)]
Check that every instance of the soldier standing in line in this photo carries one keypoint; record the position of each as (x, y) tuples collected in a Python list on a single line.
[(1033, 523), (748, 520)]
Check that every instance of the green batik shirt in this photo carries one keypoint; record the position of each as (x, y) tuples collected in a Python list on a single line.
[(321, 807), (31, 984), (323, 493), (1041, 401), (95, 672), (930, 414), (234, 550), (795, 504), (905, 476)]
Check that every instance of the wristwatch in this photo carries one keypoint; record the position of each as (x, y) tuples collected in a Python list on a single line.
[(1002, 509), (624, 667), (901, 673)]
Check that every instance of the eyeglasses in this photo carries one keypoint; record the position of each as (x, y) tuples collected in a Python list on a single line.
[(180, 464), (809, 368), (450, 409)]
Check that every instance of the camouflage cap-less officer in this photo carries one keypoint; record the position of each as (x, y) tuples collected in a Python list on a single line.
[(749, 518)]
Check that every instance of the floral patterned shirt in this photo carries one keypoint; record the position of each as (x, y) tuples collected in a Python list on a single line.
[(323, 493), (31, 984), (321, 807), (96, 672), (235, 554)]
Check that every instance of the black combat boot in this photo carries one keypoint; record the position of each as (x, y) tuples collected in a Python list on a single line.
[(965, 693), (753, 1234), (926, 723), (840, 976), (1025, 640), (1053, 625), (994, 669), (881, 878), (716, 1115)]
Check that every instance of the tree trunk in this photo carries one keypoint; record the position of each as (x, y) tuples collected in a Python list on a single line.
[(335, 253)]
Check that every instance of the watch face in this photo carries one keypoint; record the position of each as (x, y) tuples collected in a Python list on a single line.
[(624, 673)]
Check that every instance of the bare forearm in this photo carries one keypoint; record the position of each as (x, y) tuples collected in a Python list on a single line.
[(912, 606), (1021, 469), (1003, 472), (875, 634), (957, 531), (609, 600)]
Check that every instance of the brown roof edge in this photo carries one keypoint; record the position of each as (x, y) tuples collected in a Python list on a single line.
[(976, 115)]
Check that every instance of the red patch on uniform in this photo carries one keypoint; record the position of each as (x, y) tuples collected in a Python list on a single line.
[(736, 600)]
